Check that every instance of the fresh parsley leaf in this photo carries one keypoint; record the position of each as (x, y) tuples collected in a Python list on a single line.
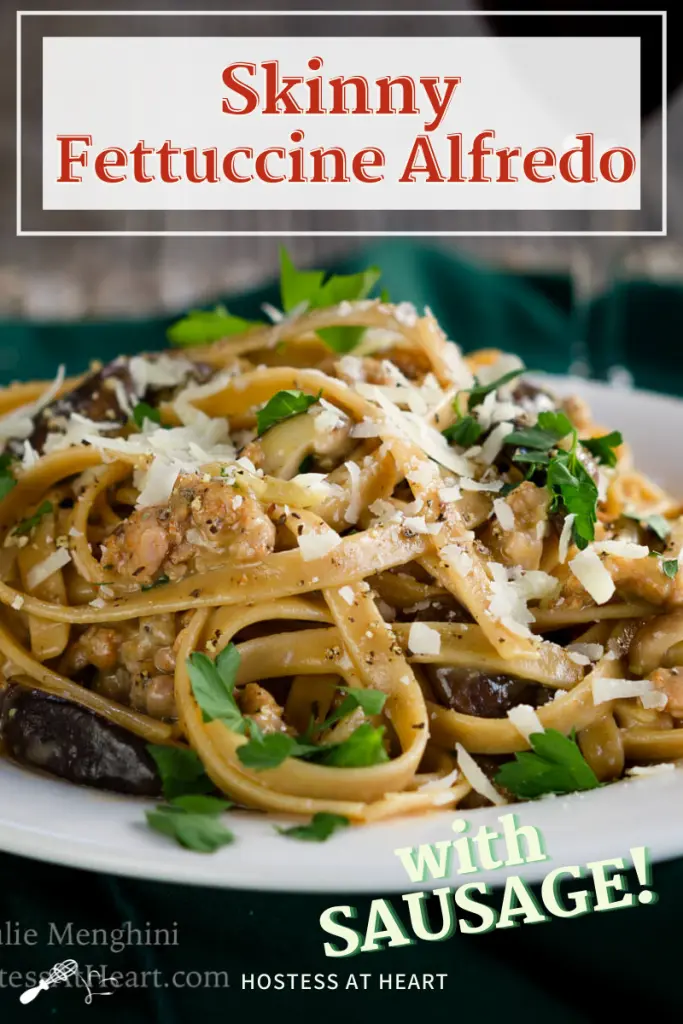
[(550, 428), (572, 485), (533, 458), (282, 406), (658, 524), (26, 525), (180, 770), (213, 683), (603, 447), (556, 765), (479, 392), (202, 326), (306, 286), (363, 748), (670, 567), (269, 750), (320, 827), (465, 432), (384, 296), (193, 821), (7, 478), (142, 412), (371, 701), (158, 582)]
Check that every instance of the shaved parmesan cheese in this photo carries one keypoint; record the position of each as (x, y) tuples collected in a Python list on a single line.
[(422, 639), (605, 689), (158, 482), (533, 584), (416, 430), (18, 602), (651, 769), (565, 537), (505, 363), (161, 371), (346, 594), (405, 314), (578, 659), (417, 524), (504, 514), (525, 720), (43, 570), (29, 457), (591, 651), (480, 485), (655, 700), (316, 545), (622, 548), (445, 782), (592, 575), (353, 511), (19, 423), (422, 473), (508, 603), (447, 494), (351, 367), (457, 558), (476, 778), (493, 444)]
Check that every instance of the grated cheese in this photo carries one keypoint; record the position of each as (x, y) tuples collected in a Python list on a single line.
[(160, 372), (457, 558), (447, 494), (565, 537), (18, 602), (476, 778), (622, 548), (422, 639), (655, 700), (416, 430), (445, 782), (493, 445), (605, 689), (316, 545), (525, 720), (591, 651), (43, 570), (504, 514), (346, 594), (480, 485), (352, 513), (592, 575), (158, 482)]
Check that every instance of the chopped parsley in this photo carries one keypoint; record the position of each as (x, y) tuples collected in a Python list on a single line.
[(158, 582), (670, 567), (658, 524), (371, 701), (213, 685), (202, 327), (478, 393), (26, 525), (320, 827), (363, 748), (180, 770), (555, 765), (193, 821), (282, 406), (7, 478), (310, 289), (603, 447), (464, 432), (142, 412), (269, 750), (573, 490)]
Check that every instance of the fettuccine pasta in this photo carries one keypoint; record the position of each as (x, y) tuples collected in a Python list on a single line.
[(400, 565)]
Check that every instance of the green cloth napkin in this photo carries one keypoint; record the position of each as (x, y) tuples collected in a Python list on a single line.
[(562, 970)]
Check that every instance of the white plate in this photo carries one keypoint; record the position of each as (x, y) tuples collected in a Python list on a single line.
[(54, 821)]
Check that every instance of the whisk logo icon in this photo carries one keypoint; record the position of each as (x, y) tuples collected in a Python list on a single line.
[(59, 974)]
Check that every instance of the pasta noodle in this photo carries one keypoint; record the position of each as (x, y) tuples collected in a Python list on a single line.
[(381, 552)]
